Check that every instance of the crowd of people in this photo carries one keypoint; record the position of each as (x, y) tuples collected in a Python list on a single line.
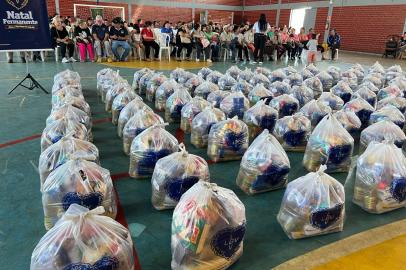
[(101, 40)]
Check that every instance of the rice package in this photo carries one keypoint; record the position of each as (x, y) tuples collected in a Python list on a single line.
[(233, 71), (367, 95), (389, 91), (380, 131), (278, 88), (190, 110), (143, 83), (202, 123), (350, 121), (302, 93), (137, 76), (398, 102), (127, 112), (226, 82), (235, 104), (277, 76), (148, 147), (208, 228), (285, 105), (215, 98), (293, 132), (314, 83), (76, 102), (343, 90), (313, 204), (174, 175), (140, 121), (246, 75), (204, 72), (228, 140), (390, 113), (259, 91), (380, 178), (326, 80), (77, 181), (193, 83), (214, 77), (120, 101), (121, 87), (313, 69), (205, 88), (265, 166), (258, 78), (306, 74), (335, 73), (260, 117), (331, 100), (152, 85), (329, 144), (294, 79), (361, 108), (315, 111), (242, 86), (84, 239), (163, 92)]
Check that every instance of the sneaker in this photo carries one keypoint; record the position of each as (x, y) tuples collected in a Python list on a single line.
[(109, 60), (65, 60), (197, 60), (72, 60), (253, 62), (208, 60), (99, 60), (260, 62)]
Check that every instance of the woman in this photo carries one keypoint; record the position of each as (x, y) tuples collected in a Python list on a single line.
[(148, 38), (202, 43), (249, 39), (84, 41), (136, 42), (241, 46), (213, 38), (303, 39), (260, 28), (60, 37), (284, 36), (184, 41)]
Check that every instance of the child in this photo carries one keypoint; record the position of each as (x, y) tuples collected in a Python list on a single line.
[(312, 47), (136, 42)]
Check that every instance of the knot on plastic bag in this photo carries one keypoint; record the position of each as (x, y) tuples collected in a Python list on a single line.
[(182, 149), (321, 169), (162, 125)]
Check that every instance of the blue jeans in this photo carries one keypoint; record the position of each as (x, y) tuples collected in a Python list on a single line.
[(123, 44)]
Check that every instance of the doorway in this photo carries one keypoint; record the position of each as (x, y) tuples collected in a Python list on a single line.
[(302, 17)]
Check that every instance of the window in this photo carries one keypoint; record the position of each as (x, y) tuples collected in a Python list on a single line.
[(297, 17)]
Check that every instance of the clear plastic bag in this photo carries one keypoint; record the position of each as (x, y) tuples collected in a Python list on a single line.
[(84, 239), (121, 87), (66, 77), (390, 75), (313, 69), (77, 181), (394, 68), (190, 110), (264, 166), (177, 73), (216, 97), (246, 75), (293, 132), (398, 102), (350, 121), (294, 79), (380, 131), (315, 84), (214, 77), (228, 140), (76, 102), (137, 76), (315, 111), (156, 80), (59, 95), (306, 74), (389, 91), (258, 78), (107, 83), (277, 76), (205, 88), (358, 73), (140, 121), (285, 105), (235, 104), (148, 147), (359, 67), (202, 123), (278, 88), (399, 82), (119, 102), (102, 75), (376, 67), (185, 76), (262, 70), (329, 144), (204, 72), (331, 100), (260, 117), (242, 86), (193, 83), (208, 228), (380, 178), (233, 71), (369, 85), (174, 175), (175, 103), (361, 108), (335, 73), (343, 90), (390, 113), (163, 92), (326, 80), (127, 112), (143, 83), (289, 70), (226, 82), (366, 95), (302, 93), (374, 79), (72, 113), (313, 204), (259, 91), (351, 81)]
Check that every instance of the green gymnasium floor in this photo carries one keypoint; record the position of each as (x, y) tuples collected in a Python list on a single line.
[(23, 115)]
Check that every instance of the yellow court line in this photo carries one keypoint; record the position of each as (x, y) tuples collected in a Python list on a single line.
[(159, 65), (48, 78)]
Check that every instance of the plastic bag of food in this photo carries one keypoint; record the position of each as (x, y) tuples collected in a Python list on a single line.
[(376, 67), (77, 181), (174, 175), (214, 77), (359, 74), (204, 72), (278, 88), (193, 83), (262, 70), (140, 121), (175, 103), (259, 91), (389, 91), (398, 102), (102, 75), (369, 85), (294, 79), (380, 131), (119, 102), (264, 166), (185, 76), (315, 111), (148, 147), (226, 82), (202, 123), (121, 87), (190, 110), (277, 75), (208, 228), (313, 69), (235, 104), (242, 86), (313, 204), (350, 121), (390, 113), (233, 71), (228, 140), (329, 144), (66, 77), (84, 239), (302, 93), (343, 90), (331, 100), (127, 112), (176, 74), (366, 95), (137, 76), (72, 113), (358, 66), (380, 178), (216, 97), (258, 78), (314, 83), (76, 102), (326, 80), (390, 75), (293, 132), (107, 84), (374, 79), (60, 128), (163, 92), (246, 74), (59, 96), (335, 73), (289, 70), (152, 85), (66, 148), (285, 105), (361, 108), (351, 81), (306, 74), (143, 83), (205, 88), (399, 82), (260, 117)]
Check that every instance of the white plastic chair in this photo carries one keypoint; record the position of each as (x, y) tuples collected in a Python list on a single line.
[(164, 44)]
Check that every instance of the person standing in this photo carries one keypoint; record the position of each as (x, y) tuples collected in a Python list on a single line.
[(260, 28), (334, 42), (119, 36), (60, 38), (312, 47), (148, 37), (84, 41), (102, 46)]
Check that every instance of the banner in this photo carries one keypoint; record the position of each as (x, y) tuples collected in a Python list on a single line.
[(24, 25)]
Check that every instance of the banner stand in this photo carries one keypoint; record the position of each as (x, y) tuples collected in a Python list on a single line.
[(33, 83)]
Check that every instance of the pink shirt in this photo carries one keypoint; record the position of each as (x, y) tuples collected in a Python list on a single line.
[(284, 37)]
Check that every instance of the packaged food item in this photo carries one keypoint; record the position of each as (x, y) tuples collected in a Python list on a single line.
[(226, 82), (359, 74), (107, 83), (398, 102), (66, 77), (205, 88), (184, 77), (103, 75), (315, 111), (235, 104), (306, 74), (137, 76), (369, 85), (326, 80), (143, 83), (152, 85), (350, 121), (302, 93), (216, 97), (233, 71), (84, 239), (76, 102), (177, 73), (390, 113), (120, 101), (374, 79), (329, 144), (331, 100), (175, 103), (228, 140), (264, 166), (59, 96), (190, 110), (313, 204), (77, 181), (399, 82), (214, 77), (289, 70), (193, 83), (246, 74), (202, 123), (259, 91), (121, 87), (174, 175), (285, 105), (72, 113), (277, 76), (390, 91), (376, 67), (343, 90), (258, 78), (294, 79), (335, 73), (361, 108), (208, 228), (140, 121), (380, 178), (260, 117), (262, 70), (278, 88), (314, 83), (242, 86), (366, 94), (313, 69), (293, 132), (127, 112), (204, 72), (163, 92), (148, 147)]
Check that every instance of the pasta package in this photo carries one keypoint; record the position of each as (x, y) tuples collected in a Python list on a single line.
[(329, 144), (397, 102), (302, 93), (350, 121), (343, 90), (175, 103), (156, 80), (331, 100), (215, 98), (202, 123), (361, 108), (279, 88), (260, 117), (314, 83), (80, 182), (143, 83), (315, 111), (265, 166), (285, 105), (120, 87), (226, 82), (163, 92), (174, 175), (214, 77), (390, 113), (242, 86), (84, 239), (235, 104), (380, 178), (293, 132), (190, 110), (127, 112), (228, 140), (148, 147), (119, 102), (205, 88), (313, 204), (259, 91), (137, 76), (208, 228)]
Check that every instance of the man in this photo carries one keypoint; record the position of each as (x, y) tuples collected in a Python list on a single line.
[(100, 33), (89, 22), (333, 42), (119, 36)]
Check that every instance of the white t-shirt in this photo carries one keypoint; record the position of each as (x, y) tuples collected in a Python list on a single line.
[(256, 28), (312, 45)]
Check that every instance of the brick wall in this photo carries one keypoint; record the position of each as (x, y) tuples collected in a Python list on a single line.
[(66, 7), (320, 24), (51, 7), (109, 13), (284, 17), (164, 14), (253, 16), (221, 2)]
